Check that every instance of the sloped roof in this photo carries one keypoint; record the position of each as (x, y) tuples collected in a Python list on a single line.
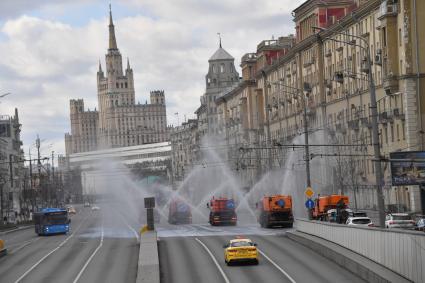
[(221, 54)]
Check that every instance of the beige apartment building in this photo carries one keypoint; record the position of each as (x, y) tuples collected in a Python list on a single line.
[(120, 120), (324, 70)]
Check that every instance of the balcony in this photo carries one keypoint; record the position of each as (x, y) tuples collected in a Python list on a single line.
[(328, 53), (391, 85), (384, 117), (387, 9), (339, 77), (365, 122), (269, 45), (398, 114), (249, 57), (354, 124)]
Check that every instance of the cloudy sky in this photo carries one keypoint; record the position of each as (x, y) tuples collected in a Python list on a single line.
[(50, 51)]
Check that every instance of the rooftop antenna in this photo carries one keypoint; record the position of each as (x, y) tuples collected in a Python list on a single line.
[(219, 36)]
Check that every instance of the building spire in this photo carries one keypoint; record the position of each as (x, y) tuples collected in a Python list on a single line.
[(100, 67), (219, 36), (112, 39), (128, 64)]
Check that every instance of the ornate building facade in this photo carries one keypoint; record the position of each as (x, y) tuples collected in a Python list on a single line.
[(120, 120)]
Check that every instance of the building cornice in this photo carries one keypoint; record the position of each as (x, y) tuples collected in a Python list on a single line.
[(346, 21)]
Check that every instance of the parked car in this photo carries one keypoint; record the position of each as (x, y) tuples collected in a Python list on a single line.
[(95, 208), (420, 223), (360, 221), (399, 220)]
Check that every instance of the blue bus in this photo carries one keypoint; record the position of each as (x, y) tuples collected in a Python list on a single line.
[(50, 221)]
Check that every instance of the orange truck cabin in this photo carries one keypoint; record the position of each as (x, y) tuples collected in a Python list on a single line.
[(222, 211), (275, 210)]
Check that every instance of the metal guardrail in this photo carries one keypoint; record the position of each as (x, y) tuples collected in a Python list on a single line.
[(399, 250)]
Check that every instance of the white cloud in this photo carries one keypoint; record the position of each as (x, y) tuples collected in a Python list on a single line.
[(49, 62)]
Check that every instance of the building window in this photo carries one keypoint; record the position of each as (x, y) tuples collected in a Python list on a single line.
[(403, 128), (117, 85), (392, 133), (222, 68), (126, 85), (398, 132)]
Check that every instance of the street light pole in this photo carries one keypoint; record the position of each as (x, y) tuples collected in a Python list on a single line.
[(268, 108), (376, 149), (375, 129), (307, 150)]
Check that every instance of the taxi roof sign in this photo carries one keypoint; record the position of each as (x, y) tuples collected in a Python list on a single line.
[(309, 192)]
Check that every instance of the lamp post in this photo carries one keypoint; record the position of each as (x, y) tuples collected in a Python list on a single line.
[(373, 107)]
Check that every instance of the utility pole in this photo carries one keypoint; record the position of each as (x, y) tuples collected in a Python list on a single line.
[(53, 188), (307, 150), (268, 109), (375, 136), (38, 144), (33, 196)]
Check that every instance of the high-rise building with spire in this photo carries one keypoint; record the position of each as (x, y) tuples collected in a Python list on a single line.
[(120, 121), (221, 77)]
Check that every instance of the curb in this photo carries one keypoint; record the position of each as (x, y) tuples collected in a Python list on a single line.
[(148, 264), (16, 229), (363, 267)]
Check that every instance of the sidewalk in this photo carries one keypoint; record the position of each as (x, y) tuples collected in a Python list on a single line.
[(15, 229), (363, 267)]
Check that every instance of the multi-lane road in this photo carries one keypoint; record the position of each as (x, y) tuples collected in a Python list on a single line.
[(99, 248), (103, 247), (194, 253)]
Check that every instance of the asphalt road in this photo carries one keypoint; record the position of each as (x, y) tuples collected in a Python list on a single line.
[(194, 253), (101, 247)]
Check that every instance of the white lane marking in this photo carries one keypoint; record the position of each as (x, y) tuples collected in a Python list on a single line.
[(52, 251), (27, 243), (207, 228), (215, 261), (131, 228), (277, 266), (90, 258)]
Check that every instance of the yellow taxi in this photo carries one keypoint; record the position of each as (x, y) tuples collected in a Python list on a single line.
[(3, 250), (240, 250)]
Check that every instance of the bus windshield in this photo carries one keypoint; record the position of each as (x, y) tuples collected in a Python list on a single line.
[(56, 218), (51, 218)]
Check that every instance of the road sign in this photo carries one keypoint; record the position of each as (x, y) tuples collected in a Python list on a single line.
[(281, 203), (309, 192), (150, 202), (309, 204)]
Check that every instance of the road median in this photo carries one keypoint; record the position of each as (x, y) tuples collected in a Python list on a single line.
[(148, 264)]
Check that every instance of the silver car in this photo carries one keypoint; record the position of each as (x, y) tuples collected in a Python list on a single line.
[(399, 220), (360, 221)]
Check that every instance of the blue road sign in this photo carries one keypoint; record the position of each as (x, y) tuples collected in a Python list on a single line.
[(281, 203), (309, 204)]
